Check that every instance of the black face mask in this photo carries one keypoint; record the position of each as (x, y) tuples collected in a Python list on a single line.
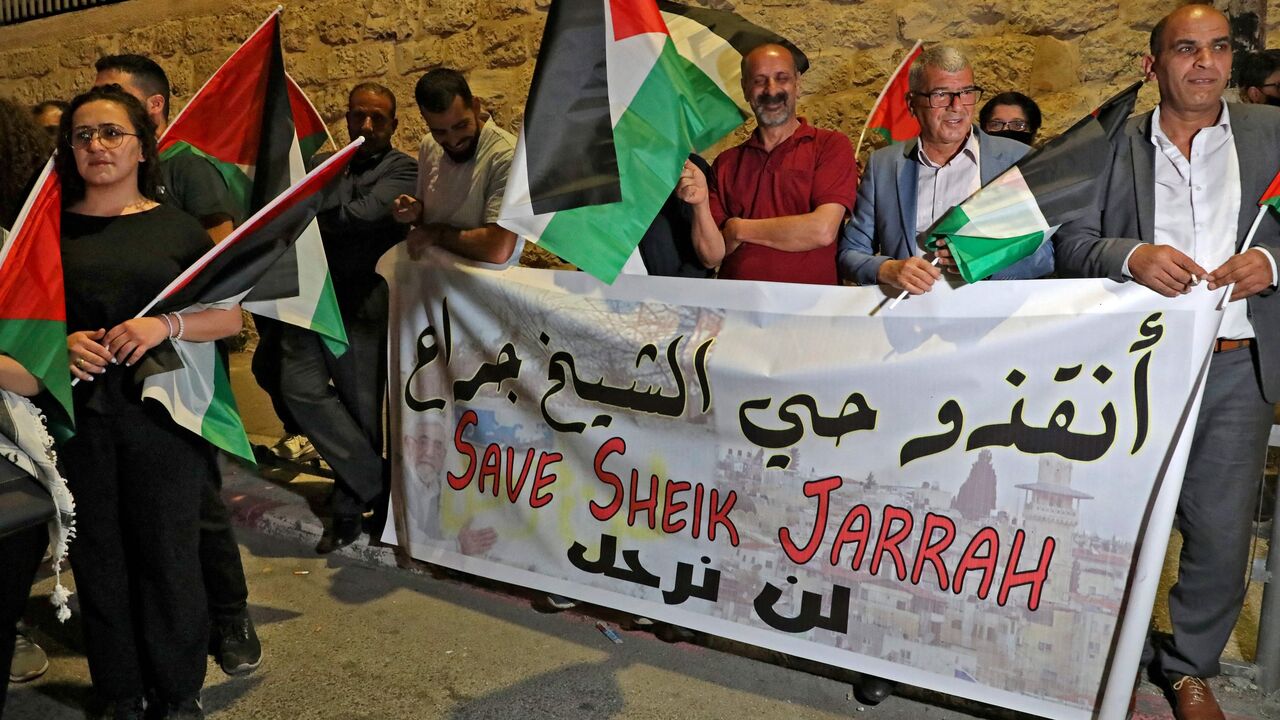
[(1022, 136)]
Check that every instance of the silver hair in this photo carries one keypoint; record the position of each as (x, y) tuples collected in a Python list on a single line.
[(943, 57)]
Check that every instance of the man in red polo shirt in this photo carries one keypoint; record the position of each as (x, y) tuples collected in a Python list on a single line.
[(782, 194)]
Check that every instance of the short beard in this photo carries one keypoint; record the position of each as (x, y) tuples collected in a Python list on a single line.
[(772, 119), (466, 154)]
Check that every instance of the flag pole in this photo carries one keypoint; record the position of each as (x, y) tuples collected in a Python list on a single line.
[(1248, 242), (880, 98), (905, 293)]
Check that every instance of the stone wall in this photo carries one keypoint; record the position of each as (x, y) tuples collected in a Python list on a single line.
[(1067, 55)]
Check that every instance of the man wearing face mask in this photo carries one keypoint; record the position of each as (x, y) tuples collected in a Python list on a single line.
[(1260, 77), (907, 188), (338, 399), (1011, 115), (462, 174)]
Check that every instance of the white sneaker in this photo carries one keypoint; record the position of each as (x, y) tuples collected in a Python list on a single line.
[(295, 448), (29, 660)]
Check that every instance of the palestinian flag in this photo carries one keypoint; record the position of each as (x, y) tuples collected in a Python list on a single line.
[(716, 40), (891, 116), (261, 149), (1010, 216), (189, 378), (33, 307), (1271, 198), (613, 112)]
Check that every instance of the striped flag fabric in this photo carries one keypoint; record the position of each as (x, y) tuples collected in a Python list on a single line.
[(190, 378), (716, 40), (586, 183), (1009, 217), (261, 149), (33, 307), (891, 116)]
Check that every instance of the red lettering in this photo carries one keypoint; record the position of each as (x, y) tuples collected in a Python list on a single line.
[(720, 516), (671, 506), (971, 560), (820, 489), (604, 512), (649, 505), (932, 551), (1034, 577), (697, 510), (490, 466), (513, 491), (458, 482), (888, 541), (848, 535), (542, 479)]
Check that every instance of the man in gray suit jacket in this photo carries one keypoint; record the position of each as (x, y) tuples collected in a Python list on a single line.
[(908, 187), (1180, 196)]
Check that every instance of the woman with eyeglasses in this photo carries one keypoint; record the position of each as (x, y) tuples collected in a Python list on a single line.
[(1012, 115), (135, 473)]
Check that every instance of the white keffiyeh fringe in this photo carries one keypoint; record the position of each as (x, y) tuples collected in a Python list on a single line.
[(31, 449)]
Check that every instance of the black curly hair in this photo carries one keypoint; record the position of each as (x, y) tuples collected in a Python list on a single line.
[(65, 160), (24, 149)]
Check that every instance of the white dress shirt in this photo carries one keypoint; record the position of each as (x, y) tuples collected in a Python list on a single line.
[(941, 187), (1197, 204)]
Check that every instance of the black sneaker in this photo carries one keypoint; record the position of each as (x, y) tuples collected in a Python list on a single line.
[(128, 709), (342, 531), (236, 645), (189, 709)]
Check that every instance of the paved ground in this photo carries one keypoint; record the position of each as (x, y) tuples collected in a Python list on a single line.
[(366, 635)]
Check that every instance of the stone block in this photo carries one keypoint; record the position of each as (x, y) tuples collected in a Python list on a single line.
[(27, 63), (1115, 51), (83, 52), (1056, 65), (1061, 19), (1143, 14), (934, 23), (198, 36), (1001, 63), (157, 42), (869, 27), (449, 16), (418, 55), (506, 44), (364, 60)]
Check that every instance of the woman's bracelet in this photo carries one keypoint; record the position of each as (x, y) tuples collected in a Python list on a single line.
[(182, 326), (165, 317)]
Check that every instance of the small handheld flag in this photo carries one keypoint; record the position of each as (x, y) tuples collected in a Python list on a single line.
[(891, 116)]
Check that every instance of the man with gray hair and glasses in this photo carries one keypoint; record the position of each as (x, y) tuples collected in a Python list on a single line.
[(907, 188)]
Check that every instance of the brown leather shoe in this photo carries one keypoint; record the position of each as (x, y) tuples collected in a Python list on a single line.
[(1193, 700)]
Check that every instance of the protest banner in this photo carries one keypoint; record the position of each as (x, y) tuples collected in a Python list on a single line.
[(952, 495)]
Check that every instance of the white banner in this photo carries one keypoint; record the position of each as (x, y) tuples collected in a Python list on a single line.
[(951, 494)]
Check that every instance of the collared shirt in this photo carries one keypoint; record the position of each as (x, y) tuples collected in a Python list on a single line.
[(941, 187), (1197, 204), (812, 167)]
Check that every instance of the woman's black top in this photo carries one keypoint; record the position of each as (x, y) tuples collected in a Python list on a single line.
[(112, 267)]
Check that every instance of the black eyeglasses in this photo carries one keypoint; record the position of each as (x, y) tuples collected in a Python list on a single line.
[(1014, 125), (109, 136), (944, 98)]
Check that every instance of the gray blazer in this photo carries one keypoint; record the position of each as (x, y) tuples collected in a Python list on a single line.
[(1124, 215), (883, 226)]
